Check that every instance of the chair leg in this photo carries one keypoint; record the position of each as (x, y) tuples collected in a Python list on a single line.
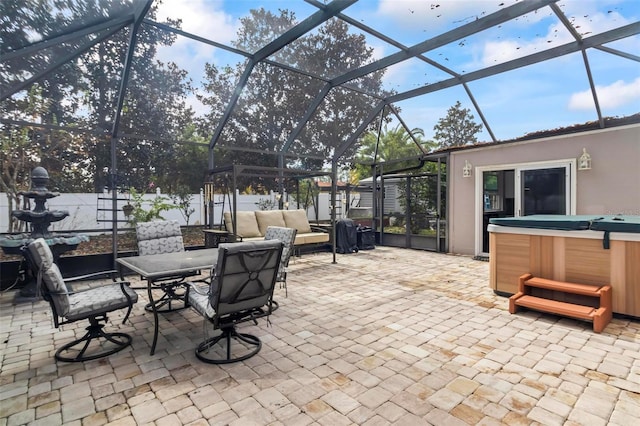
[(220, 349), (169, 297), (93, 345)]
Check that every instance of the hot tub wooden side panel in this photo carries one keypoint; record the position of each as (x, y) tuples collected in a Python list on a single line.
[(579, 260), (625, 273), (513, 254)]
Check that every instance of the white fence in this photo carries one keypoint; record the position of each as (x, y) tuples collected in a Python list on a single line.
[(93, 211)]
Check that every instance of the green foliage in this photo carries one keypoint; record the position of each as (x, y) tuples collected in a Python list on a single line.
[(145, 211), (457, 128), (190, 163), (182, 199), (16, 160), (274, 100), (393, 144), (308, 193), (266, 204), (83, 93), (423, 199)]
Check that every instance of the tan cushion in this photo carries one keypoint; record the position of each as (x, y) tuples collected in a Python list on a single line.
[(311, 238), (228, 223), (297, 219), (268, 218), (247, 224)]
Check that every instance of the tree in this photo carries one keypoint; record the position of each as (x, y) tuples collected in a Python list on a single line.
[(84, 93), (392, 144), (143, 210), (25, 147), (457, 128), (274, 99), (182, 198), (190, 163), (15, 160), (155, 106)]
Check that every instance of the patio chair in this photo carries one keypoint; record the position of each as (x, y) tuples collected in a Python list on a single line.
[(159, 237), (287, 236), (241, 290), (93, 304)]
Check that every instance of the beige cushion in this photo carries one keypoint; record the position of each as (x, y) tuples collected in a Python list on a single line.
[(312, 238), (228, 223), (247, 224), (268, 218), (297, 219)]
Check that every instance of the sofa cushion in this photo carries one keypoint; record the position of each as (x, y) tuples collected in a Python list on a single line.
[(268, 218), (312, 238), (247, 224), (228, 223), (297, 219)]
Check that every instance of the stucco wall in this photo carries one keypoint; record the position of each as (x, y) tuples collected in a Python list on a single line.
[(611, 186)]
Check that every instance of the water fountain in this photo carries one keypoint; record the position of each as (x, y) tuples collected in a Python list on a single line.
[(40, 218)]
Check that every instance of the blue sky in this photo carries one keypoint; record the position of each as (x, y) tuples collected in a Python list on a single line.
[(543, 96)]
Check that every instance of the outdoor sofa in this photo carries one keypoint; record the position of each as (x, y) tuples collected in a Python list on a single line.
[(252, 225)]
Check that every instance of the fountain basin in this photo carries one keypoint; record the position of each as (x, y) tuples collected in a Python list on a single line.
[(59, 244)]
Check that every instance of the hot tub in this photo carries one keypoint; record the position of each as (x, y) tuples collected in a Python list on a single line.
[(581, 249)]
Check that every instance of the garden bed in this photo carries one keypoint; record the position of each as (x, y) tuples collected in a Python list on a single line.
[(98, 244)]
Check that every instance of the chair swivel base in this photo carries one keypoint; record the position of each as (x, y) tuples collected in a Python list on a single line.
[(221, 350), (167, 302), (93, 345)]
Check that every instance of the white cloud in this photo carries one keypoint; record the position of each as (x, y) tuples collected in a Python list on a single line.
[(614, 95), (204, 18), (396, 76), (418, 13), (201, 17), (587, 24)]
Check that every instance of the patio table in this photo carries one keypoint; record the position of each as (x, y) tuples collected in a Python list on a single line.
[(157, 267)]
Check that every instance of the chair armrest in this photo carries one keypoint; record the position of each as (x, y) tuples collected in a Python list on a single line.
[(323, 229), (110, 273), (200, 289), (71, 291)]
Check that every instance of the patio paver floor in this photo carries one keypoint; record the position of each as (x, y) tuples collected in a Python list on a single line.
[(386, 336)]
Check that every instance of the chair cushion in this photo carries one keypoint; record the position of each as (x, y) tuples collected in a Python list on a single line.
[(99, 300), (247, 224), (287, 236), (159, 237), (268, 218), (57, 289), (297, 219), (233, 272), (41, 253), (157, 229), (199, 300), (161, 245)]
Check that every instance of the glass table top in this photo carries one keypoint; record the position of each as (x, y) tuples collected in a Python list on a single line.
[(155, 266)]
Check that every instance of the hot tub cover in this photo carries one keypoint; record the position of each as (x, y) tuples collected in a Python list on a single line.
[(547, 221), (608, 223), (619, 223)]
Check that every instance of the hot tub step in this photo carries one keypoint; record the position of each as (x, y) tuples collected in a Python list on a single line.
[(556, 307), (600, 315), (573, 288)]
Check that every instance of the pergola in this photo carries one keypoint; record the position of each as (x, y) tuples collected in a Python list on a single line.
[(134, 19)]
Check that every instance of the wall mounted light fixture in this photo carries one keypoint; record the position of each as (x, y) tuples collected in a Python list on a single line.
[(466, 170), (584, 161)]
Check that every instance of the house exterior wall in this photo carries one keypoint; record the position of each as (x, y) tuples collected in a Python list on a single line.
[(612, 185)]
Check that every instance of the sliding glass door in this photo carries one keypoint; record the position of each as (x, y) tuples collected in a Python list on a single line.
[(544, 191), (521, 190)]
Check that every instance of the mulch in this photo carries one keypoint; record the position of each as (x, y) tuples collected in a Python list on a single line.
[(192, 236)]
